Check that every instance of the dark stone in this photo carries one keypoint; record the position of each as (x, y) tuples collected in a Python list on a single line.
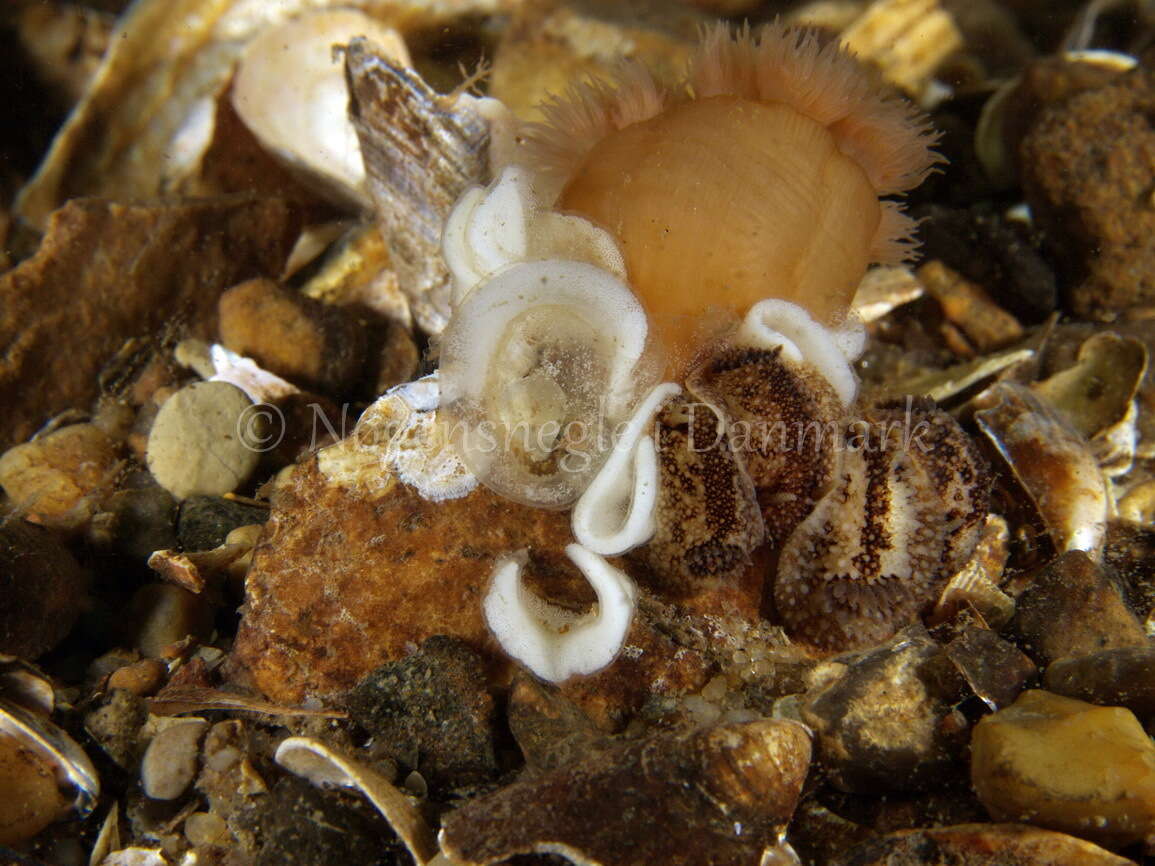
[(144, 520), (205, 521), (432, 712), (1123, 677), (303, 826), (1000, 255), (1072, 608), (42, 589)]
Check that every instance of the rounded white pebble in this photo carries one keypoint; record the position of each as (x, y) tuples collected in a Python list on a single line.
[(205, 440)]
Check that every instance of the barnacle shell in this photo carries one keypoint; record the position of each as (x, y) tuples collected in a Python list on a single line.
[(421, 151), (903, 516)]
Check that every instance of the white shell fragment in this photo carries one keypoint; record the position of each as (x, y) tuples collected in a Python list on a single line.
[(536, 363), (775, 323), (313, 760), (290, 92), (556, 644), (401, 436), (259, 384), (616, 512), (490, 229)]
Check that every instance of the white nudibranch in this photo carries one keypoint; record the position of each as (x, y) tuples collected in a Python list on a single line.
[(554, 643), (490, 229), (616, 512)]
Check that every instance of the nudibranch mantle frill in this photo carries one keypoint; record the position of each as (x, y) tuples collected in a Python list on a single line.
[(591, 269)]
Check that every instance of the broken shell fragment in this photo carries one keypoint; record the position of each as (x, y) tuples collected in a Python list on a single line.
[(616, 512), (313, 760), (1052, 463), (1097, 396), (422, 151), (553, 642), (534, 364), (290, 92), (44, 774), (721, 795)]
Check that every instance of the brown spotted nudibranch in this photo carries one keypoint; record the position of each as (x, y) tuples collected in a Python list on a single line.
[(712, 235)]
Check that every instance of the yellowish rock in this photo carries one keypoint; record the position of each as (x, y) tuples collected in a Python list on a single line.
[(1068, 765), (61, 477), (32, 798)]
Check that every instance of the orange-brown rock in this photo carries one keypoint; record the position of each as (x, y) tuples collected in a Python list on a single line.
[(108, 272), (343, 582), (312, 344)]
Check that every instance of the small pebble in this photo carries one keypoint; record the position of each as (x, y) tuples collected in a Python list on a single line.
[(61, 477), (170, 762), (142, 678), (141, 520), (203, 442), (161, 614), (206, 828), (311, 344), (877, 725), (1071, 609), (1123, 677), (1068, 765)]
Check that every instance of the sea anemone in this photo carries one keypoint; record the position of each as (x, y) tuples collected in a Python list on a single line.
[(760, 177)]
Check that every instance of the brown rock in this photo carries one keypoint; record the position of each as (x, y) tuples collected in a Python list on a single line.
[(311, 344), (62, 477), (1088, 170), (720, 795), (1067, 765), (141, 678), (343, 582), (978, 845), (42, 589), (1073, 609), (107, 272)]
